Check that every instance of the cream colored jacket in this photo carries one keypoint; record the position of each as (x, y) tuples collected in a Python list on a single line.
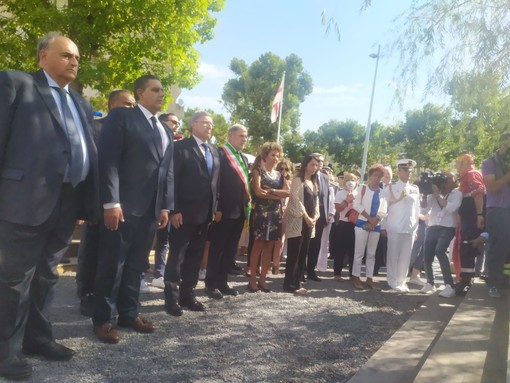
[(296, 209)]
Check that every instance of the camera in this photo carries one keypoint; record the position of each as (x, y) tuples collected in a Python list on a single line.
[(428, 179)]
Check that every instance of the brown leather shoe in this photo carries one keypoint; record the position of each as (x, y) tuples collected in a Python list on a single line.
[(107, 333), (138, 324)]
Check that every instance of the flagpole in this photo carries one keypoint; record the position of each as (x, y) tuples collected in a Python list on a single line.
[(280, 110)]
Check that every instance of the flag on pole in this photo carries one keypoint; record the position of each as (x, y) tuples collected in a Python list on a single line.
[(278, 98)]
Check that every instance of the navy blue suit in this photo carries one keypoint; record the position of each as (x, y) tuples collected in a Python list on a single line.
[(135, 174)]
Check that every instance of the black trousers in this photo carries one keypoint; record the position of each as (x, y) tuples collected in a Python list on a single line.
[(29, 257), (224, 237), (315, 243), (87, 259), (468, 231), (497, 222), (341, 244), (122, 258), (183, 263), (297, 248)]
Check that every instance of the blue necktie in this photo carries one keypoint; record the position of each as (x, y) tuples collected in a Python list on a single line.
[(208, 158), (76, 163)]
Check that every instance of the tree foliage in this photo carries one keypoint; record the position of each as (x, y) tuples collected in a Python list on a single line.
[(249, 95), (449, 37), (118, 40)]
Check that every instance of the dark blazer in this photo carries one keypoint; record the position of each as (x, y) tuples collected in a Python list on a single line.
[(233, 199), (196, 193), (131, 170), (34, 151)]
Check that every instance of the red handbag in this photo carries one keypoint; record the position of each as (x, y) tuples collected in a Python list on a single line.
[(352, 215)]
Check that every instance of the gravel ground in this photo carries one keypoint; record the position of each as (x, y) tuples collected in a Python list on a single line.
[(254, 337)]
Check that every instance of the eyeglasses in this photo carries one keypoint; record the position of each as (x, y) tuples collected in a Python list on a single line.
[(205, 123)]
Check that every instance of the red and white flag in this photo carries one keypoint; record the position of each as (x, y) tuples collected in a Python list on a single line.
[(278, 98)]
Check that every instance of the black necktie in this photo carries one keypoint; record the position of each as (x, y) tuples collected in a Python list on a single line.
[(76, 163), (208, 158), (156, 136)]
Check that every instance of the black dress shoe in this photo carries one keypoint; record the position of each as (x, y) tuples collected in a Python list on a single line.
[(15, 368), (173, 309), (229, 291), (214, 293), (264, 289), (314, 277), (51, 351), (192, 304)]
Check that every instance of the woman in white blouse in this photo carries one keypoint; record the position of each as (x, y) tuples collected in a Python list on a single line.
[(371, 208)]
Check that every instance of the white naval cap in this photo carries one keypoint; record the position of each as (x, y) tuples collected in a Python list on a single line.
[(406, 163)]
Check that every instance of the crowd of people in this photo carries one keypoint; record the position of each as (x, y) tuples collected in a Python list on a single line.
[(135, 180)]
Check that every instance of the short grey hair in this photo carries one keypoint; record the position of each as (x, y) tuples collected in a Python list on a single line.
[(236, 128), (45, 41)]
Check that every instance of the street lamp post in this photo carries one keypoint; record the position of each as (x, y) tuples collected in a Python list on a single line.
[(369, 123)]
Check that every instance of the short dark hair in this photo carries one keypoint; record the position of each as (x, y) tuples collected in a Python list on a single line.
[(374, 168), (141, 83), (163, 116), (114, 95)]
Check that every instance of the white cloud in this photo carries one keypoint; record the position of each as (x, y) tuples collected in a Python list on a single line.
[(214, 72)]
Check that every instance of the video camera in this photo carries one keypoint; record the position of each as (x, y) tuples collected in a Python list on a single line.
[(428, 179)]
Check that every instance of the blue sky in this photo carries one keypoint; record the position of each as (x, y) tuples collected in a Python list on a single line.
[(341, 70)]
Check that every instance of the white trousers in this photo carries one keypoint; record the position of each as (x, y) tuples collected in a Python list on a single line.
[(364, 240), (398, 258), (322, 261)]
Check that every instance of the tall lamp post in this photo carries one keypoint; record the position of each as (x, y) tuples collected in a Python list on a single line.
[(367, 133)]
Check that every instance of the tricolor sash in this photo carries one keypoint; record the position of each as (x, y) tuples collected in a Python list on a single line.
[(240, 168)]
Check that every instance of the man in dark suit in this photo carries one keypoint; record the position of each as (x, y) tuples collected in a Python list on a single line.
[(48, 179), (135, 167), (196, 169), (325, 217), (89, 238), (233, 204)]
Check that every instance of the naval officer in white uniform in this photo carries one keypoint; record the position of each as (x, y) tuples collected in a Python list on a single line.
[(401, 224)]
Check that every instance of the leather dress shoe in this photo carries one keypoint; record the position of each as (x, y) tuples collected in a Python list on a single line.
[(229, 291), (214, 293), (314, 277), (192, 304), (138, 324), (173, 309), (15, 368), (107, 333), (51, 351)]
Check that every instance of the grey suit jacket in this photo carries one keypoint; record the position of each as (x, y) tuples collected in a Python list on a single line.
[(34, 151)]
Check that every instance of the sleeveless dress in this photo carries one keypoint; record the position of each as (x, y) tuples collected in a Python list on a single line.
[(267, 213)]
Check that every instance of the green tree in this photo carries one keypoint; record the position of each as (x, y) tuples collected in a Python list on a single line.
[(481, 110), (429, 137), (446, 37), (249, 95), (118, 40)]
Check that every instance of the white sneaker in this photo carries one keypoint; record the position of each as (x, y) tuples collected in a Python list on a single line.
[(201, 274), (401, 288), (428, 289), (448, 292), (158, 282), (144, 287), (416, 281)]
